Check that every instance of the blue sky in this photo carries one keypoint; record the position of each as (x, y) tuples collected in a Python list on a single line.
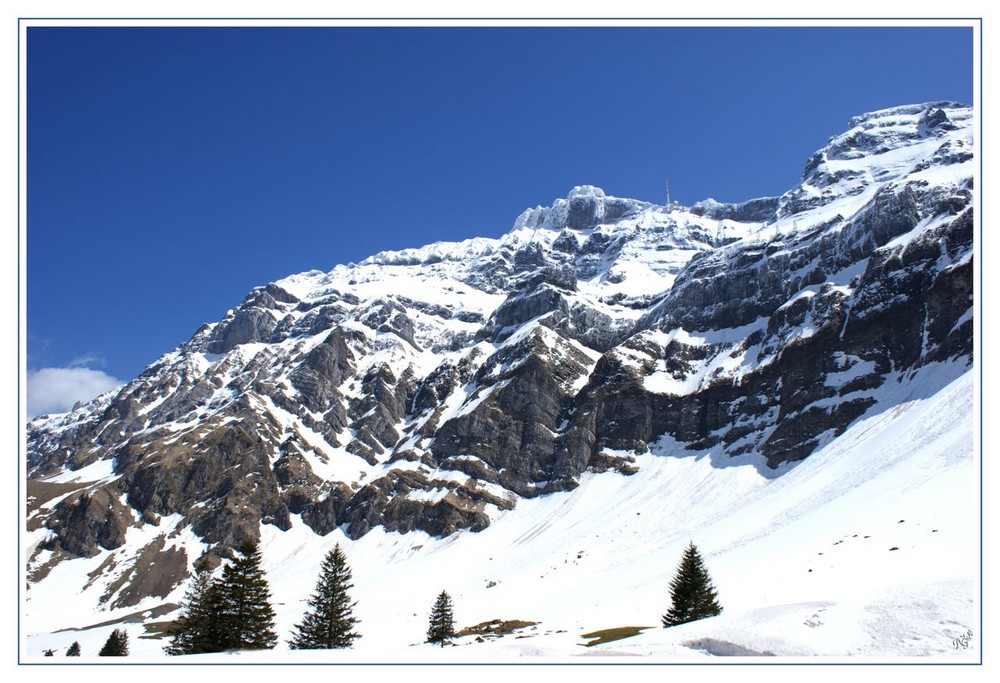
[(170, 170)]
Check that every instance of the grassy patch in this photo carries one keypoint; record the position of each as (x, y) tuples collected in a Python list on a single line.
[(495, 628), (133, 618), (611, 634), (155, 630)]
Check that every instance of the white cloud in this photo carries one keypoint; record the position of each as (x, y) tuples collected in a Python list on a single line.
[(87, 360), (55, 390)]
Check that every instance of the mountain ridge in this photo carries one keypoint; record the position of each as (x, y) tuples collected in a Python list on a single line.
[(434, 388)]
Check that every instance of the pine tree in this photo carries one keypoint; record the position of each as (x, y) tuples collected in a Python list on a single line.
[(199, 628), (442, 622), (116, 645), (246, 617), (692, 594), (329, 621), (74, 650)]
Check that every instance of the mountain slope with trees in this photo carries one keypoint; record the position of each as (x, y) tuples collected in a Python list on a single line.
[(431, 392)]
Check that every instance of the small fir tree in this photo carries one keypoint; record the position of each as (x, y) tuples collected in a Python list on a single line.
[(74, 650), (329, 622), (246, 618), (692, 594), (116, 645), (199, 627), (442, 622)]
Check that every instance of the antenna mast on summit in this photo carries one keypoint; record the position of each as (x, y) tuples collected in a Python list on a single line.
[(668, 193)]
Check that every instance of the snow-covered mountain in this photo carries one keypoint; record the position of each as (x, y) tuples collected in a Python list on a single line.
[(609, 374)]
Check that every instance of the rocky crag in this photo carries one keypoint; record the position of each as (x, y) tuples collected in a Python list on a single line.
[(430, 389)]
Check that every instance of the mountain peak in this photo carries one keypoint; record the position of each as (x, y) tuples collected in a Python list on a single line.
[(874, 118), (882, 147), (586, 191), (586, 206)]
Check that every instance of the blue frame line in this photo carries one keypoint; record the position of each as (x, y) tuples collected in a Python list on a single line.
[(978, 105)]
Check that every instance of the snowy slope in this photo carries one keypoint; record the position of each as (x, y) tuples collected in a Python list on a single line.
[(867, 549)]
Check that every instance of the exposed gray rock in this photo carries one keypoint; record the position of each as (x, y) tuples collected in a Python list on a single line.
[(248, 324), (522, 394), (321, 373), (95, 518), (384, 315), (754, 210), (383, 404)]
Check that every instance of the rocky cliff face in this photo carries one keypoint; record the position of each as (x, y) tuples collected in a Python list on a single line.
[(432, 388)]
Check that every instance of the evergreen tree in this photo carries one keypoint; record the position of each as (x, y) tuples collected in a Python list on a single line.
[(74, 650), (199, 627), (329, 621), (442, 622), (246, 617), (691, 591), (116, 645)]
